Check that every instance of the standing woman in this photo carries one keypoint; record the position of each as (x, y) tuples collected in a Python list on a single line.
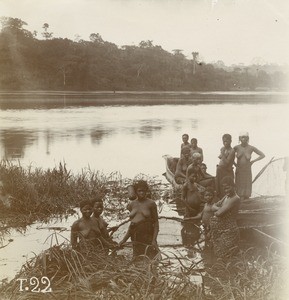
[(225, 166), (185, 139), (243, 174), (144, 226), (224, 229)]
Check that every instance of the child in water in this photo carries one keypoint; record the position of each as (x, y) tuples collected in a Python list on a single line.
[(207, 212), (106, 240), (86, 233), (82, 230)]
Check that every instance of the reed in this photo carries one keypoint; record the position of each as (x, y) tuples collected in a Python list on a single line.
[(36, 194), (101, 277), (39, 194), (253, 274), (73, 276)]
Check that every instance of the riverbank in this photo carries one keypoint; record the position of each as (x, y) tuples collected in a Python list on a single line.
[(140, 97), (59, 271), (184, 270)]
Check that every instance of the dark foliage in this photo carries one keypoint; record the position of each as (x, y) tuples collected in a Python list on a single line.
[(28, 63)]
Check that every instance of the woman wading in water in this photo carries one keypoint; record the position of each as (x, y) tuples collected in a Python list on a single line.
[(144, 226)]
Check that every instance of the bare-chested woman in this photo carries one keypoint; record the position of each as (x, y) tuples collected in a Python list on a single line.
[(86, 235), (225, 166), (144, 226), (243, 174)]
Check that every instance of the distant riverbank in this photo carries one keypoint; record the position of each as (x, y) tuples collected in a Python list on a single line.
[(140, 97)]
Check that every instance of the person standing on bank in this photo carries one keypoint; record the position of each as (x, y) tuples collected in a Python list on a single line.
[(225, 166), (243, 173)]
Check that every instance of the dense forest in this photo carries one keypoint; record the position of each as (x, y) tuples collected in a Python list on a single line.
[(48, 63)]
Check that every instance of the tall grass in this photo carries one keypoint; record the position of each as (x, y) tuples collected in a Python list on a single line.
[(248, 276), (253, 274), (101, 277), (38, 194)]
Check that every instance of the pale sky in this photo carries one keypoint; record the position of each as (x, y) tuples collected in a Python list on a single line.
[(234, 31)]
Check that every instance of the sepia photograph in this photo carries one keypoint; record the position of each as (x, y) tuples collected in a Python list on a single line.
[(144, 149)]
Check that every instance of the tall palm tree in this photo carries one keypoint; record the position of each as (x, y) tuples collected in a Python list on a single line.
[(195, 56)]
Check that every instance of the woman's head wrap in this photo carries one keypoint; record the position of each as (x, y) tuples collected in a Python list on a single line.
[(244, 133)]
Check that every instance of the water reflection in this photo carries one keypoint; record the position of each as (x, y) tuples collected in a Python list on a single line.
[(49, 140), (177, 124), (148, 128), (99, 133), (141, 134), (14, 142)]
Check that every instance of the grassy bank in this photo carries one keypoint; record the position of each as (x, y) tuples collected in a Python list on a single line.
[(35, 194), (249, 276)]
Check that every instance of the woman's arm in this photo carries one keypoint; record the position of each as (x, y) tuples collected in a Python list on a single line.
[(227, 205), (184, 192), (229, 160), (221, 153), (155, 218), (198, 216), (260, 153)]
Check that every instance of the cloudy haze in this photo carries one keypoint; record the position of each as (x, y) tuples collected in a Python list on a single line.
[(234, 31)]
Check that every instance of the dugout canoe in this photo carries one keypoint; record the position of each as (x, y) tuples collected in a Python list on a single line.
[(171, 163), (272, 180), (263, 215)]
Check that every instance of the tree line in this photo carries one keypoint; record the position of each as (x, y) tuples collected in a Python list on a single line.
[(29, 63)]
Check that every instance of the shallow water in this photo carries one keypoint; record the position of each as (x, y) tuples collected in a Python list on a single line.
[(39, 237)]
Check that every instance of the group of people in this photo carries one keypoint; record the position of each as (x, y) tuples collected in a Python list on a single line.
[(89, 234), (216, 202), (191, 160), (213, 200)]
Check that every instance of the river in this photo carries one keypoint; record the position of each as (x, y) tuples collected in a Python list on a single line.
[(131, 136), (127, 133)]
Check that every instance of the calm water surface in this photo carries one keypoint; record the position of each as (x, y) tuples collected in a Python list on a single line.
[(132, 139)]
